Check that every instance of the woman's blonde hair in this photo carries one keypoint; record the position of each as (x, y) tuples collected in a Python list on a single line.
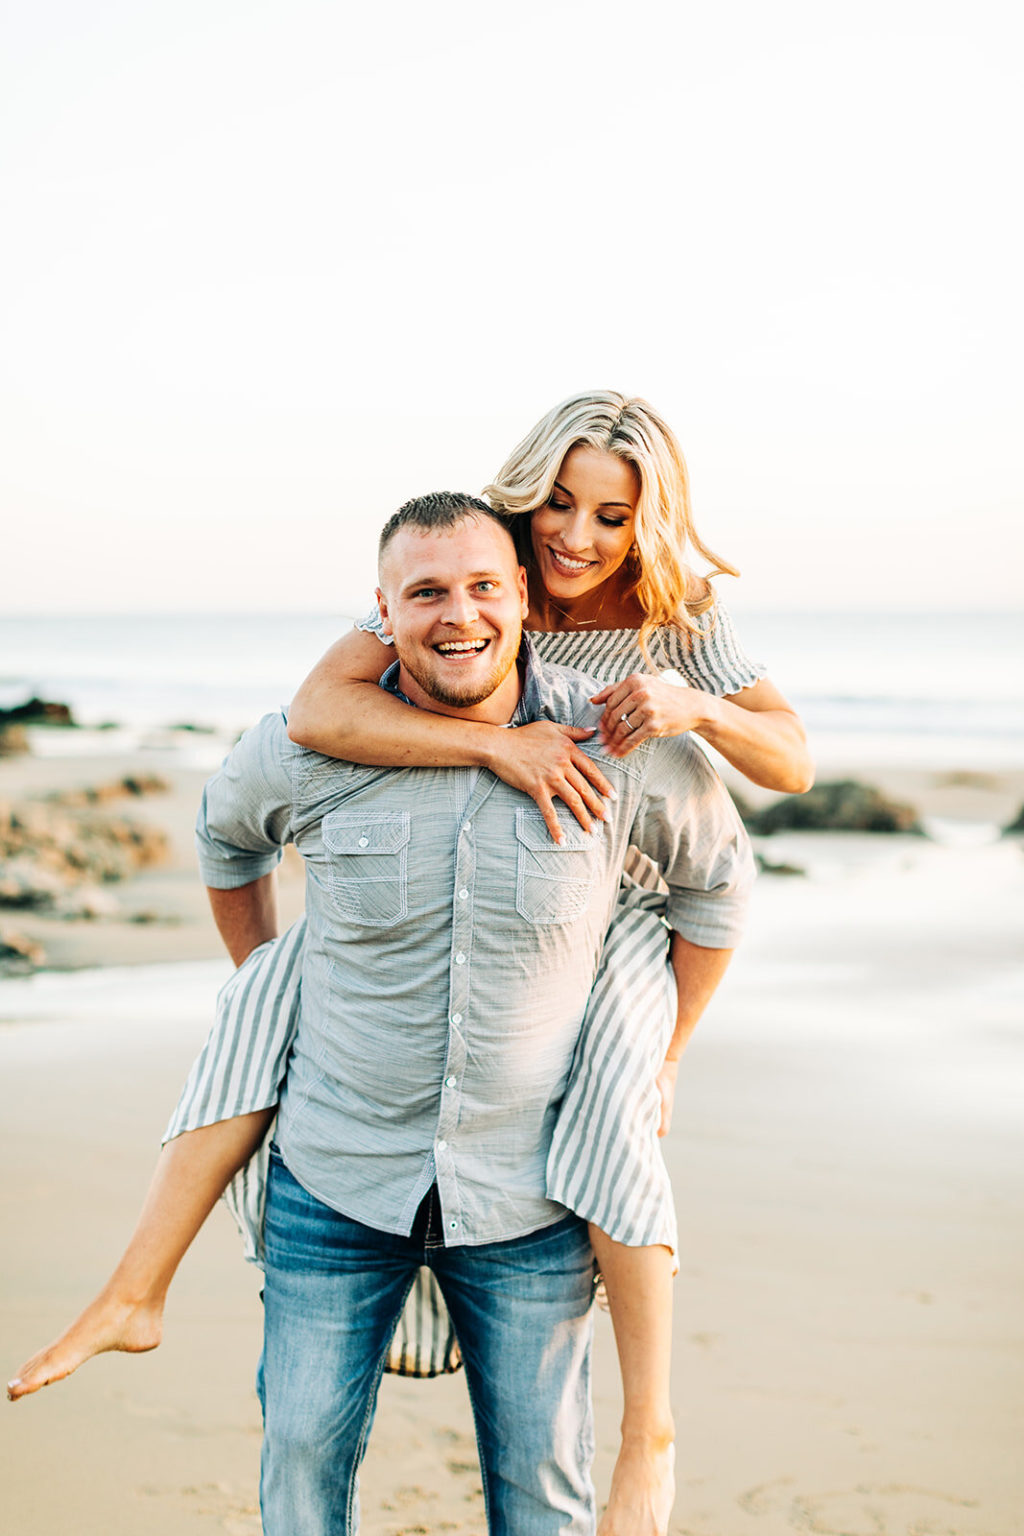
[(632, 430)]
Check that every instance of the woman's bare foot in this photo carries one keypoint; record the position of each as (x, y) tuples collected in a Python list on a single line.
[(642, 1493), (107, 1323)]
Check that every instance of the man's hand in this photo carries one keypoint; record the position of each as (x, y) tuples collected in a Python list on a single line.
[(666, 1081), (642, 1493), (543, 760), (247, 916)]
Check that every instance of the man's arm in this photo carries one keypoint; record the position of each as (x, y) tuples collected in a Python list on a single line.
[(246, 916), (698, 972), (688, 825), (244, 821)]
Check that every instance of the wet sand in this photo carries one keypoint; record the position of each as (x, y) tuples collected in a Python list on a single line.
[(846, 1158)]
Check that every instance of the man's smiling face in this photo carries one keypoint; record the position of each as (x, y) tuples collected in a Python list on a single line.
[(455, 599)]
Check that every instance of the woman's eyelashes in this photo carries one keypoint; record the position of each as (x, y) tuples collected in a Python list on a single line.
[(607, 522)]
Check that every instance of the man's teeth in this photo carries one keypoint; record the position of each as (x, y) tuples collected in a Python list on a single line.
[(455, 646), (570, 565)]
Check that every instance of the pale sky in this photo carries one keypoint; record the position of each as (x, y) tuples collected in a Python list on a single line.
[(271, 268)]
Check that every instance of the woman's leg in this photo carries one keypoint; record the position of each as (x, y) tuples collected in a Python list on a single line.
[(606, 1165), (191, 1174), (639, 1286)]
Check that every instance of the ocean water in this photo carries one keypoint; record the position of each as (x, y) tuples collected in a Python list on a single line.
[(920, 690)]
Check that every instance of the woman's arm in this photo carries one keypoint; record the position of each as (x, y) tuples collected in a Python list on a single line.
[(340, 711), (756, 730)]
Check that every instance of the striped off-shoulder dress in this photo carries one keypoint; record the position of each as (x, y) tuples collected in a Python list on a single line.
[(605, 1161)]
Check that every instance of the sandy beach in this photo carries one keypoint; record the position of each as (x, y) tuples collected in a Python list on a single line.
[(846, 1158)]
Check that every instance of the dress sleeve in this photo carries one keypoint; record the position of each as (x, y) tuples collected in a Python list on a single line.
[(712, 658), (372, 625)]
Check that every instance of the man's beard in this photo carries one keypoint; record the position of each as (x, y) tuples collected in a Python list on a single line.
[(465, 695)]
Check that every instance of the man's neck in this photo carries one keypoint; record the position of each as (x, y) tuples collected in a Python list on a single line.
[(497, 709)]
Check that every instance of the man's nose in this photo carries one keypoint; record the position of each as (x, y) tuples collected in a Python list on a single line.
[(460, 610)]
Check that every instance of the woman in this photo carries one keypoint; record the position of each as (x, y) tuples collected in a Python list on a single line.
[(599, 501)]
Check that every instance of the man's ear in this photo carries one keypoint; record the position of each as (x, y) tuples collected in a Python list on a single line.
[(524, 590), (385, 620)]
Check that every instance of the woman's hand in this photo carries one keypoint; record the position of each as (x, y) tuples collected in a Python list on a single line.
[(644, 705), (543, 760)]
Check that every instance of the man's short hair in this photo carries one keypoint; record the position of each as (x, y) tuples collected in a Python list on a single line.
[(439, 509)]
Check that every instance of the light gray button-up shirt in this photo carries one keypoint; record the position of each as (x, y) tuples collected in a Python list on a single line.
[(451, 949)]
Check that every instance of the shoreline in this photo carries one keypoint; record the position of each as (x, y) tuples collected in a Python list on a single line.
[(163, 913)]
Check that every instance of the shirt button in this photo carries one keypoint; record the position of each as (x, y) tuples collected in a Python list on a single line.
[(463, 894), (442, 1146), (460, 958), (453, 1224), (450, 1082), (364, 842), (456, 1018), (468, 827)]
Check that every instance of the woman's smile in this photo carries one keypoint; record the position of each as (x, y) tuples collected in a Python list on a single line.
[(584, 532)]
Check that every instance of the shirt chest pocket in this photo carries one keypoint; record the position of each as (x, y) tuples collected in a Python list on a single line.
[(553, 880), (368, 865)]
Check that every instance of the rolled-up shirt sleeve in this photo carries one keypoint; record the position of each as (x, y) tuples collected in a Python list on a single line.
[(688, 825), (246, 811)]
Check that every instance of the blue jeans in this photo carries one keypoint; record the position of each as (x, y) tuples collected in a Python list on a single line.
[(333, 1295)]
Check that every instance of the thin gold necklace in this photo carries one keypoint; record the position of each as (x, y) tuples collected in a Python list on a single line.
[(576, 623)]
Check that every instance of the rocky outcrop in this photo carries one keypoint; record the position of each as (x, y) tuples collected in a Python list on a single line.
[(19, 956), (58, 854), (37, 712), (133, 784), (1016, 828), (842, 806)]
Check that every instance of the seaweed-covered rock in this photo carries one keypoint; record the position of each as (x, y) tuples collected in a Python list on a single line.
[(19, 956), (842, 806), (1016, 828), (37, 712), (742, 805), (773, 867)]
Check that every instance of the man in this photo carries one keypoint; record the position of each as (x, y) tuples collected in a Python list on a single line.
[(450, 952)]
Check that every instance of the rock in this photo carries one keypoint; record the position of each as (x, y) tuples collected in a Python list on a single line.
[(1016, 827), (766, 867), (13, 740), (29, 887), (742, 804), (136, 784), (842, 806), (86, 902), (37, 712), (19, 956), (144, 784), (54, 854)]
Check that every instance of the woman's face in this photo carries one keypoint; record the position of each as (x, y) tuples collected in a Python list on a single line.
[(583, 534)]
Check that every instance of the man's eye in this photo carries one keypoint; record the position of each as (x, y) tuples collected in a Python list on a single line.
[(425, 592), (487, 586)]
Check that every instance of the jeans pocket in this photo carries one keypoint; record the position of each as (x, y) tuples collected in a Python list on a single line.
[(367, 865), (553, 880)]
